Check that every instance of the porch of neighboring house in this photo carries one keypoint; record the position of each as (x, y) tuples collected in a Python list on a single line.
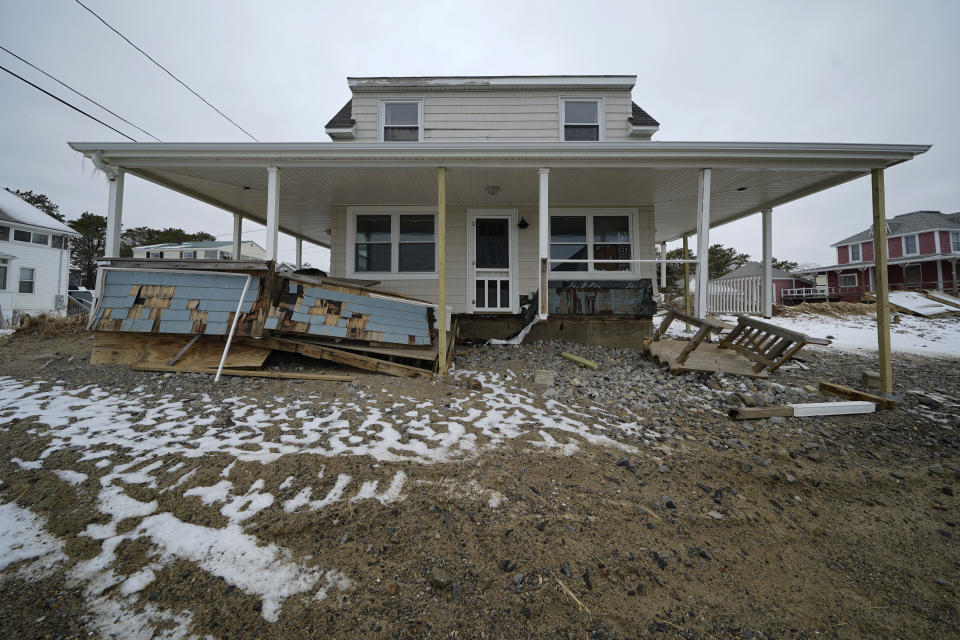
[(851, 283), (559, 232)]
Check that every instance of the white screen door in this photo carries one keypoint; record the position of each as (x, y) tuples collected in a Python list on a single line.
[(492, 242)]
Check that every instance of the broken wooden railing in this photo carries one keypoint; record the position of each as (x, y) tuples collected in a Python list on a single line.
[(767, 345)]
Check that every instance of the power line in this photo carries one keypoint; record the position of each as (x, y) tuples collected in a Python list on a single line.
[(66, 103), (147, 55), (57, 80)]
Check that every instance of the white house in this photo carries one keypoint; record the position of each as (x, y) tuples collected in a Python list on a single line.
[(34, 260), (489, 195), (200, 250)]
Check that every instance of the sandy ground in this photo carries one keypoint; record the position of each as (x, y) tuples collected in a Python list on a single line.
[(140, 505)]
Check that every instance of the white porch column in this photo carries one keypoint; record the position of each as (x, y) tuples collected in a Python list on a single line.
[(544, 228), (663, 266), (273, 212), (114, 215), (766, 284), (299, 262), (703, 241), (237, 233)]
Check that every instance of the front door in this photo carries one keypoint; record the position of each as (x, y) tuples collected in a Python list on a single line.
[(491, 285)]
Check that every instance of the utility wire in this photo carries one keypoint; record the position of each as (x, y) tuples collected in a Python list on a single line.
[(60, 82), (147, 55), (66, 103)]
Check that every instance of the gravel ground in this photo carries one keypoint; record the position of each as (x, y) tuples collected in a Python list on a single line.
[(616, 503)]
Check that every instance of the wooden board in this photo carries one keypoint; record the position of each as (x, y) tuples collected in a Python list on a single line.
[(158, 349), (849, 393), (944, 298), (804, 409), (706, 357), (312, 350), (253, 373)]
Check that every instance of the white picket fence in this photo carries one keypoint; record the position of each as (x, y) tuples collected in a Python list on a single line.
[(734, 295)]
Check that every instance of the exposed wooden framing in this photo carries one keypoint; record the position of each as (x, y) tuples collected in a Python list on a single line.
[(686, 279), (337, 355), (129, 348), (442, 269), (850, 393), (882, 284), (806, 409), (237, 235), (253, 373)]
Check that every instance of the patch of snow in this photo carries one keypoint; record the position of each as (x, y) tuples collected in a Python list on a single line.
[(22, 537), (209, 495), (71, 477), (137, 581)]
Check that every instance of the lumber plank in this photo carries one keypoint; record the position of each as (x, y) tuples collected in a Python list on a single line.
[(158, 349), (252, 373), (749, 413), (583, 362), (803, 409), (849, 393), (337, 355)]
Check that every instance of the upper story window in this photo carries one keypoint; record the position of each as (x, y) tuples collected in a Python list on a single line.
[(154, 254), (581, 119), (855, 255), (402, 120), (394, 243), (955, 241), (34, 238), (3, 273), (910, 247), (58, 242), (590, 236), (4, 233)]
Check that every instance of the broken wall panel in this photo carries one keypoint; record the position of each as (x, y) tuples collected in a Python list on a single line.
[(601, 297)]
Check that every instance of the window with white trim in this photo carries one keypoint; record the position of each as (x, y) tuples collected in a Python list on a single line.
[(910, 245), (581, 119), (188, 255), (3, 273), (154, 254), (848, 280), (855, 255), (58, 242), (955, 241), (590, 236), (21, 236), (394, 242), (213, 254), (33, 238), (26, 279), (4, 233), (402, 120)]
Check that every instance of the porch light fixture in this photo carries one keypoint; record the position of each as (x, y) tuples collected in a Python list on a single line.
[(492, 189), (523, 224)]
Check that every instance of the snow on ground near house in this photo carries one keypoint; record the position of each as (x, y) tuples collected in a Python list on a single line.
[(919, 303), (156, 443), (934, 337)]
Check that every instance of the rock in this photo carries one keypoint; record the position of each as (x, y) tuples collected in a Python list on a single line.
[(746, 467), (439, 578), (947, 490), (506, 564), (543, 378), (628, 463), (475, 384), (716, 515), (777, 420), (897, 475), (747, 399), (935, 469), (517, 579), (565, 570)]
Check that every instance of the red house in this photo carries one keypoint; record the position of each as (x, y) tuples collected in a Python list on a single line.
[(923, 252)]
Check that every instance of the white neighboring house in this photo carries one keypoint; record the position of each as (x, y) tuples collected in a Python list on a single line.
[(199, 250), (34, 260)]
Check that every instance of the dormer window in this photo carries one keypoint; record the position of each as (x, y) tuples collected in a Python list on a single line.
[(581, 120), (855, 253), (402, 120), (910, 246)]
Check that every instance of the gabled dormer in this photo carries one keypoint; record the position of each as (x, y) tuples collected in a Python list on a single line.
[(492, 109)]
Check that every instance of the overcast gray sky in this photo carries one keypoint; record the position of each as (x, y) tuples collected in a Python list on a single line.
[(872, 71)]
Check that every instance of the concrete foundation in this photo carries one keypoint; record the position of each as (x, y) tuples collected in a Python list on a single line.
[(604, 331)]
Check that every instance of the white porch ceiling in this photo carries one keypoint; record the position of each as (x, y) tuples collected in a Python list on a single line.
[(316, 177)]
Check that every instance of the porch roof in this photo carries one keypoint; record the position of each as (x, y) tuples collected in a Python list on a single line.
[(316, 176)]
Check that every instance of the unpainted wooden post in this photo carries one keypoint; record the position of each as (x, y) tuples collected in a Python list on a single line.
[(442, 269), (882, 293)]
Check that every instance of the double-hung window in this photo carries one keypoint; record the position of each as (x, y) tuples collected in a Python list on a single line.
[(855, 255), (910, 247), (394, 242), (848, 280), (590, 236), (402, 120), (955, 241), (58, 242), (21, 236), (581, 119), (154, 254), (4, 233), (26, 279), (34, 238), (188, 255), (3, 273)]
